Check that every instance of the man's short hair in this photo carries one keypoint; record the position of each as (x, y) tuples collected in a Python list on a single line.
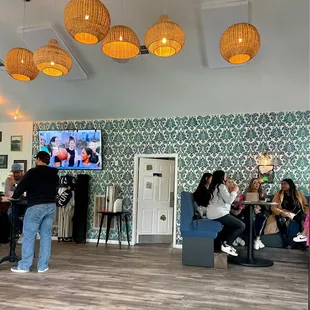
[(44, 157)]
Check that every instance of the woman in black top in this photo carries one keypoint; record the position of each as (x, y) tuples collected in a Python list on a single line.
[(72, 154), (200, 194)]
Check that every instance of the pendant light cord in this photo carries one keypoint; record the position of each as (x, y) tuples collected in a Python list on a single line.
[(24, 20)]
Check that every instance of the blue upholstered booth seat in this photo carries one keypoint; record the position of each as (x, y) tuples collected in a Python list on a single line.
[(202, 228), (198, 235)]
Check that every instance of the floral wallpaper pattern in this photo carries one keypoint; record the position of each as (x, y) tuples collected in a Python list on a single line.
[(203, 143)]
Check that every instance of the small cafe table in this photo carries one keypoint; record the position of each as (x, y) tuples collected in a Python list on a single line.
[(119, 216), (250, 260), (12, 257)]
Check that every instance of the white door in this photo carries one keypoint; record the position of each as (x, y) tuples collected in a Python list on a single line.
[(155, 200)]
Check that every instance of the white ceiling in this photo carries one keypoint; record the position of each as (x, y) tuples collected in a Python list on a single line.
[(276, 80)]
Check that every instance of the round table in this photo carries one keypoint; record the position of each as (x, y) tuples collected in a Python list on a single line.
[(12, 257), (250, 260)]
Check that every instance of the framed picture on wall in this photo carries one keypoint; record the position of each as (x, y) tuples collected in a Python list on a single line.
[(266, 173), (3, 161), (23, 163), (16, 143)]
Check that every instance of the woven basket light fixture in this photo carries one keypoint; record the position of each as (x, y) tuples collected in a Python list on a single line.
[(87, 21), (121, 43), (52, 60), (240, 43), (165, 38), (19, 65)]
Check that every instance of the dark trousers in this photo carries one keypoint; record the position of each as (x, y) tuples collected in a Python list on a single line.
[(299, 218), (233, 228), (20, 212)]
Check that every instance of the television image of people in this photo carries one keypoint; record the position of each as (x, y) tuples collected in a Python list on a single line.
[(76, 150)]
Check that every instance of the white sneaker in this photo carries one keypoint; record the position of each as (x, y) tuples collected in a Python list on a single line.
[(256, 245), (235, 243), (240, 241), (42, 270), (20, 239), (261, 245), (229, 250), (300, 238)]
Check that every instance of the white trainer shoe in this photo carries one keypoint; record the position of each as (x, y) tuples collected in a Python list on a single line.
[(300, 238), (240, 241), (229, 250), (256, 245), (261, 245)]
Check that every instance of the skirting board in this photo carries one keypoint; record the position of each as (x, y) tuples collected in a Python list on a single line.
[(178, 246)]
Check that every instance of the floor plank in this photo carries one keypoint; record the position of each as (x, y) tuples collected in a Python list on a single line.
[(152, 277)]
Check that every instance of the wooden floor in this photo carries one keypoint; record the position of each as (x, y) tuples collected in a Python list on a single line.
[(152, 277)]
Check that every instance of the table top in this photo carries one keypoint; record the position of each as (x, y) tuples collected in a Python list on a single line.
[(256, 203), (112, 213)]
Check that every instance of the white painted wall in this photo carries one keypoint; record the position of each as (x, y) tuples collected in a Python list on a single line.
[(20, 129)]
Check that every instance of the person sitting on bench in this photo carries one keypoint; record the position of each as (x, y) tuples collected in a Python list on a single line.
[(9, 187)]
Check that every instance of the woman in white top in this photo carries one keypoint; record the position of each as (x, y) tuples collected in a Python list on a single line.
[(219, 205)]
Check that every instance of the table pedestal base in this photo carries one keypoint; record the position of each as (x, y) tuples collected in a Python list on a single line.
[(11, 259), (255, 262)]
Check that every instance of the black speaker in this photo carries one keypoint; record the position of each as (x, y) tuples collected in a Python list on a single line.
[(81, 208)]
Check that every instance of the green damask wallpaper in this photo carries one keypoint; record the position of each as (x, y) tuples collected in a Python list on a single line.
[(204, 143)]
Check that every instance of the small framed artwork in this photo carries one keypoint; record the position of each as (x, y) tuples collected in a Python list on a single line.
[(3, 161), (16, 143), (23, 163), (266, 173)]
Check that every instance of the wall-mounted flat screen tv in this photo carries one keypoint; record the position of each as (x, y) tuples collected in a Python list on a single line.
[(76, 150)]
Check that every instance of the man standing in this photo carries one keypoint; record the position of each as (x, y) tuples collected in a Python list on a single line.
[(40, 184), (9, 187)]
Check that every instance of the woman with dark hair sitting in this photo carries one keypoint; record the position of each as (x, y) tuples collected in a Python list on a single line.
[(292, 206), (201, 193), (218, 202)]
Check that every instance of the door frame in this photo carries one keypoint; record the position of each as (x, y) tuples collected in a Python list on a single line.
[(136, 188)]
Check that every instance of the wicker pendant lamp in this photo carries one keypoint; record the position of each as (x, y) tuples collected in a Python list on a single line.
[(19, 65), (165, 38), (240, 43), (87, 21), (121, 43), (52, 60)]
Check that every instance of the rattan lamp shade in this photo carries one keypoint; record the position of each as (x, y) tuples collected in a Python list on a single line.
[(87, 21), (121, 43), (52, 60), (19, 65), (165, 38), (240, 43)]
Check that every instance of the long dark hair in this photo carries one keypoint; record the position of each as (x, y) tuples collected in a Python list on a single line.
[(204, 180), (293, 189), (217, 180)]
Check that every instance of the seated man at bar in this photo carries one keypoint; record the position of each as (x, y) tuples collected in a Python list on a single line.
[(9, 186)]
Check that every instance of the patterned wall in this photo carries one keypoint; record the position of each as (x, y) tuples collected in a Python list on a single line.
[(204, 143)]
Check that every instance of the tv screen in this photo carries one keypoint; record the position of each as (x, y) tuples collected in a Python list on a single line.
[(76, 150)]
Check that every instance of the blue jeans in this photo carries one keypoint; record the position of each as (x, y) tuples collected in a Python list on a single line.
[(38, 218)]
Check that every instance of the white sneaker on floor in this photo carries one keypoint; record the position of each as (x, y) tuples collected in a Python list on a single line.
[(300, 238), (20, 239), (229, 250), (235, 243), (261, 245), (42, 270), (256, 245), (240, 241)]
